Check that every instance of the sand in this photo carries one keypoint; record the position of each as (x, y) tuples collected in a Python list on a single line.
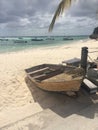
[(16, 100)]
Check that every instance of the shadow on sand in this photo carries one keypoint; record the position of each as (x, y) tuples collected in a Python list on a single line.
[(63, 105)]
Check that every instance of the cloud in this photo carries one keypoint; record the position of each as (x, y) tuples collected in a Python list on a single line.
[(81, 16), (83, 8), (37, 15)]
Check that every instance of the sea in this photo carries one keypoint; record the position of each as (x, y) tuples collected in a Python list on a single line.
[(18, 43)]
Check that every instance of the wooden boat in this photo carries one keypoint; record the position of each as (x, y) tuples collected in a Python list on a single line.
[(37, 39), (50, 38), (53, 77), (20, 41), (68, 38)]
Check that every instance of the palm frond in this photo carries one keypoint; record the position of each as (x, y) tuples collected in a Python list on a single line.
[(60, 9)]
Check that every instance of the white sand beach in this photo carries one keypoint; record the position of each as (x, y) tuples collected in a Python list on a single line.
[(16, 100)]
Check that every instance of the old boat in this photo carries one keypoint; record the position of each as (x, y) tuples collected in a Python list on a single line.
[(68, 38), (53, 77)]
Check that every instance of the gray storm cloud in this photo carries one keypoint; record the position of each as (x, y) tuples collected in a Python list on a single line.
[(87, 8), (38, 13)]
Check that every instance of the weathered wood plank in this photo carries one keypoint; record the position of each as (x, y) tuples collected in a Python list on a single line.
[(48, 75), (38, 72), (34, 68), (42, 66)]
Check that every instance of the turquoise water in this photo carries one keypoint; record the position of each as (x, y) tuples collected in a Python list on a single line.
[(12, 44)]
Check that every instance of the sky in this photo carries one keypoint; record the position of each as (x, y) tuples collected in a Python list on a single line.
[(32, 17)]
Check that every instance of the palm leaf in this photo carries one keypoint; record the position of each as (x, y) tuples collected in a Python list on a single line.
[(60, 9)]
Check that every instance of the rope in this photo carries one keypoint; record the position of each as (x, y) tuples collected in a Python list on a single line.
[(92, 51), (90, 58)]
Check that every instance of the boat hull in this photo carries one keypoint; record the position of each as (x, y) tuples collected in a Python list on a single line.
[(59, 86), (59, 80)]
